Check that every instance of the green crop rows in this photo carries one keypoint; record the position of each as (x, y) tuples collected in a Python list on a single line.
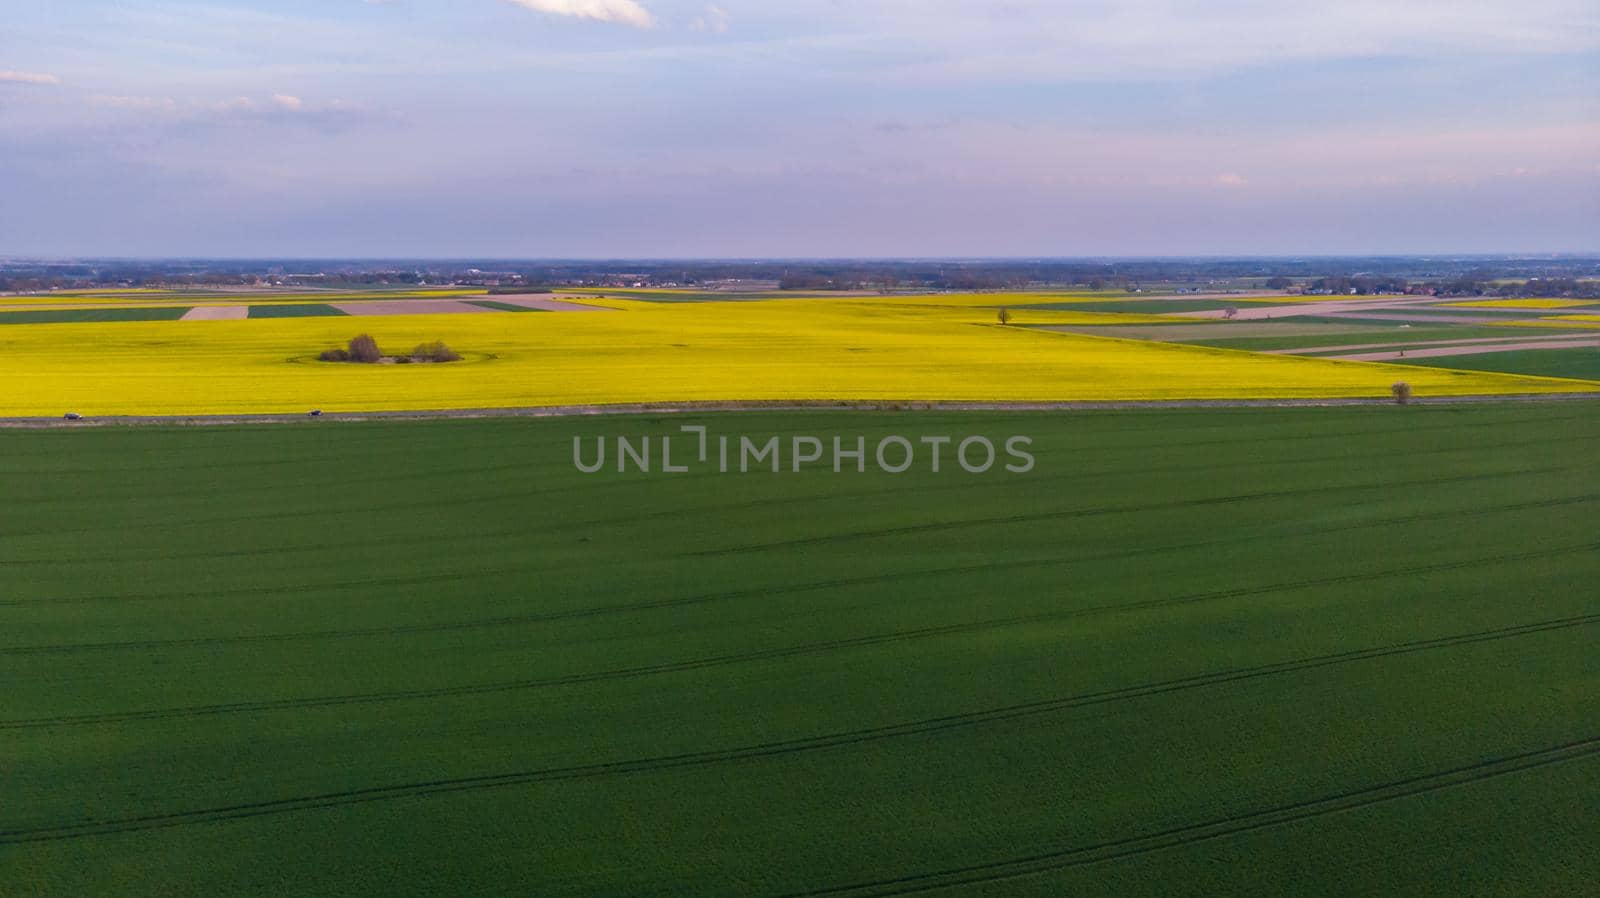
[(1259, 651)]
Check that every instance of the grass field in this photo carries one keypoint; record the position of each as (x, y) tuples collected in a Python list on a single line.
[(500, 306), (1356, 337), (145, 297), (84, 316), (824, 350), (307, 310), (1583, 363), (1241, 652)]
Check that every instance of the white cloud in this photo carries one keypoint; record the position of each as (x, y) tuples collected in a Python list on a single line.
[(28, 78), (237, 104), (715, 20), (622, 12), (1230, 179), (284, 101)]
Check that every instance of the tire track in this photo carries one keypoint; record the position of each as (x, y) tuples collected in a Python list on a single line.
[(745, 658), (563, 527), (1097, 511), (301, 514), (1223, 827), (477, 573), (837, 583), (928, 726)]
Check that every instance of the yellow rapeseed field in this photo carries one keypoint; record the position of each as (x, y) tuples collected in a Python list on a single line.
[(649, 352), (1567, 322)]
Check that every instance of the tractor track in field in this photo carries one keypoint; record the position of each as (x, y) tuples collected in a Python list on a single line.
[(502, 495), (678, 513), (88, 829), (838, 583), (1097, 511), (762, 655), (478, 573), (1219, 828)]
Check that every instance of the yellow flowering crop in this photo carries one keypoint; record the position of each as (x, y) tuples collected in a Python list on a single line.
[(778, 350), (1564, 322)]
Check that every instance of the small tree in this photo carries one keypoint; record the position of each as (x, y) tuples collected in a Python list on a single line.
[(364, 349), (335, 355), (1005, 315), (1230, 312), (1402, 393)]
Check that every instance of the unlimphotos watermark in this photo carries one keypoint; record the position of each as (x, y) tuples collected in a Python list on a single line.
[(743, 454)]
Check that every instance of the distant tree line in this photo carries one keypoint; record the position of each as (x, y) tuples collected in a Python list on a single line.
[(1469, 276)]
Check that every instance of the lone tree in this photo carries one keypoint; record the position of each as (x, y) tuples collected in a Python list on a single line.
[(1402, 393), (1005, 315)]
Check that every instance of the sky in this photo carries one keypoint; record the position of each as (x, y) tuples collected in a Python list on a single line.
[(798, 128)]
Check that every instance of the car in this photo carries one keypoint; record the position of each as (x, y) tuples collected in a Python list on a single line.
[(73, 416)]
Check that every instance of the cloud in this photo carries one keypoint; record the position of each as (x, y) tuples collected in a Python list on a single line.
[(716, 20), (27, 78), (621, 12), (1230, 179), (284, 101), (236, 104)]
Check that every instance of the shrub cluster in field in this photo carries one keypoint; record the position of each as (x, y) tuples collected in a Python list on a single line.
[(364, 349)]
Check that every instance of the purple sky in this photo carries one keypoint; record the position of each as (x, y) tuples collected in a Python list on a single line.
[(542, 128)]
